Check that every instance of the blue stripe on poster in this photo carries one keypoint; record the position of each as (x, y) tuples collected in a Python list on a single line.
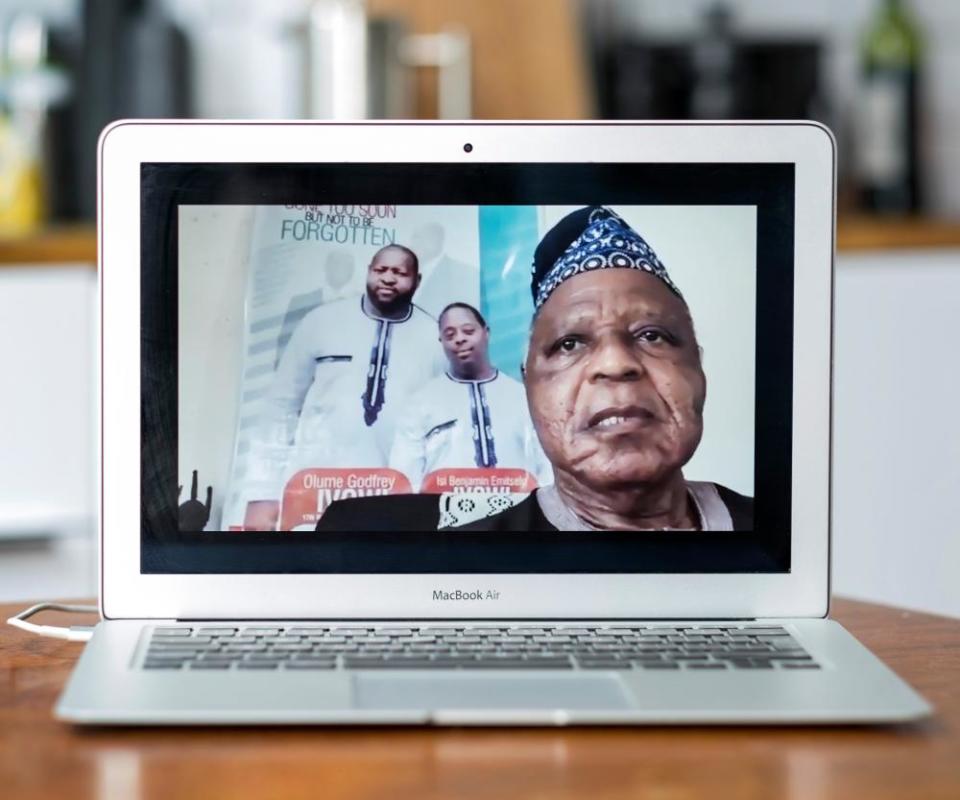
[(508, 237)]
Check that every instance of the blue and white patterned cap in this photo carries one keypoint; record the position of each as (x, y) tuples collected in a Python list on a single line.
[(590, 239)]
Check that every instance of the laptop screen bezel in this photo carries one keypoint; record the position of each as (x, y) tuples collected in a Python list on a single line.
[(802, 591)]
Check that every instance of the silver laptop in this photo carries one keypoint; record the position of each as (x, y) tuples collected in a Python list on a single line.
[(479, 423)]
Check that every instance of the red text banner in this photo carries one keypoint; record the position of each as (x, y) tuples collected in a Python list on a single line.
[(310, 491), (475, 479)]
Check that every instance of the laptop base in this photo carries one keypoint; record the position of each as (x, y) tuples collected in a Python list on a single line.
[(851, 687)]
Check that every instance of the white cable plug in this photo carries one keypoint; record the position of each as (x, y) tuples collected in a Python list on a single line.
[(75, 633)]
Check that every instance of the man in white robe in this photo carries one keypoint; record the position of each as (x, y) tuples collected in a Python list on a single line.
[(474, 416), (344, 378)]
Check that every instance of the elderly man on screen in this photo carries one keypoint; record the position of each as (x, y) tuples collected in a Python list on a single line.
[(616, 390)]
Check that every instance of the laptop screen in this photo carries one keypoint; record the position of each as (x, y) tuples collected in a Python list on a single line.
[(466, 368)]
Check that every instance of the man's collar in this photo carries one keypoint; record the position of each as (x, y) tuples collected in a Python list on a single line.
[(455, 379)]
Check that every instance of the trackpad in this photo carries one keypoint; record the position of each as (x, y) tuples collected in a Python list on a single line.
[(436, 692)]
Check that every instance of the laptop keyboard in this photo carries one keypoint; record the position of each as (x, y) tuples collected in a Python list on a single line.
[(621, 647)]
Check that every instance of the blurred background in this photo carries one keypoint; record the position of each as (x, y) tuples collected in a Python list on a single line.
[(881, 73)]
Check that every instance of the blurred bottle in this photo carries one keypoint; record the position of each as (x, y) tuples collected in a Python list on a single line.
[(714, 59), (30, 87), (886, 130)]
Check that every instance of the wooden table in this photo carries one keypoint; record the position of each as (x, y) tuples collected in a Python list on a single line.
[(41, 758)]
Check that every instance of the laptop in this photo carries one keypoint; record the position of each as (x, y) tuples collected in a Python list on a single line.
[(469, 424)]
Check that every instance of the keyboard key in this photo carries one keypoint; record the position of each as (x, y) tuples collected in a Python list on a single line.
[(374, 662), (262, 631), (257, 665), (504, 663), (705, 665), (210, 665), (591, 656), (747, 651), (162, 664), (172, 631), (800, 665), (657, 665), (216, 631), (608, 664), (161, 655), (309, 664)]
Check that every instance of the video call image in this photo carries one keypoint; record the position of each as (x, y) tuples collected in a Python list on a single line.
[(569, 368)]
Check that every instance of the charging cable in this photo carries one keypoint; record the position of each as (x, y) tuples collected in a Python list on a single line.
[(75, 633)]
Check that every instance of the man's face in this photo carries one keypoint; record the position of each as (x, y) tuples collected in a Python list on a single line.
[(464, 339), (391, 279), (614, 381)]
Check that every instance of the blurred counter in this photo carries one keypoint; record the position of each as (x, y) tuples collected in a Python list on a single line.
[(67, 244), (881, 233)]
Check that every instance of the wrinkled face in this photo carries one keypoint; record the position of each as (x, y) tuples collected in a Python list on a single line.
[(391, 279), (464, 339), (614, 380)]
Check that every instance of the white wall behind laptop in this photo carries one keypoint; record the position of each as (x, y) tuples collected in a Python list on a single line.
[(897, 439), (896, 535), (47, 429)]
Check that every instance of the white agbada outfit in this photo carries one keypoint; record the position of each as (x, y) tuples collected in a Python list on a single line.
[(343, 380), (453, 423)]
